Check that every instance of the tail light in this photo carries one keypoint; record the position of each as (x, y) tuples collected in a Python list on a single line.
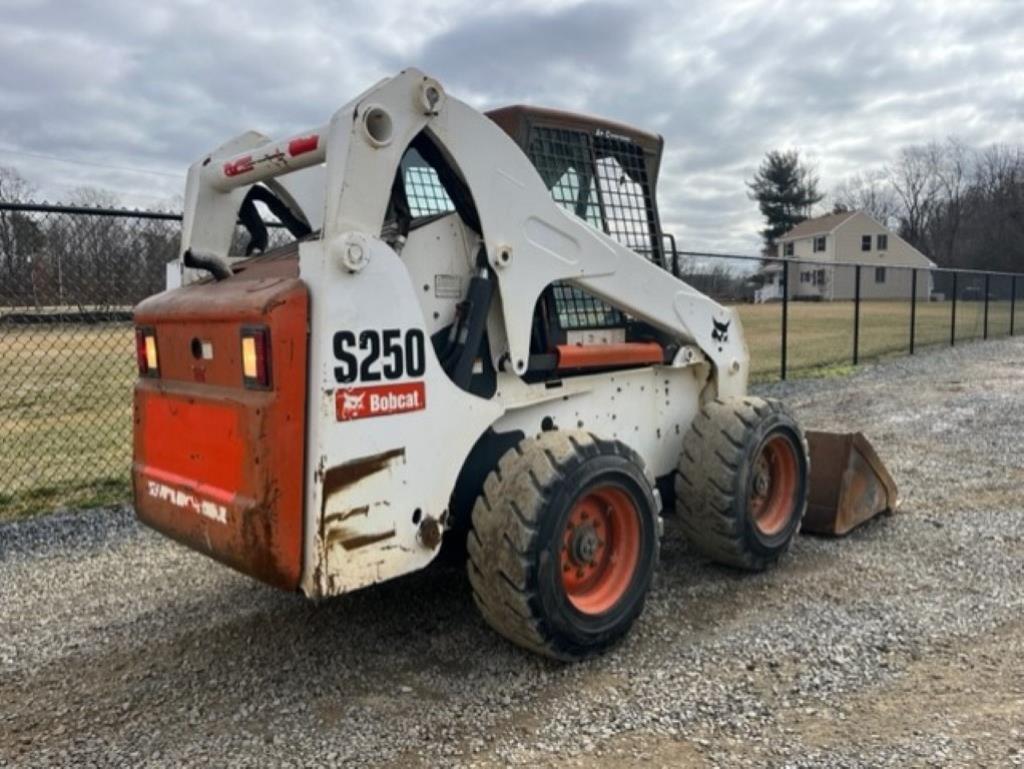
[(256, 357), (145, 352)]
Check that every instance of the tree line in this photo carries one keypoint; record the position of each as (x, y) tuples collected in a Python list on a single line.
[(91, 263), (959, 205)]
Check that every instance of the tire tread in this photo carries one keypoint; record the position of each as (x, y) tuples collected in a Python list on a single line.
[(505, 529), (714, 450)]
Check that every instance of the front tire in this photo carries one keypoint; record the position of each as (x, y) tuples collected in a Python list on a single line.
[(564, 544), (741, 490)]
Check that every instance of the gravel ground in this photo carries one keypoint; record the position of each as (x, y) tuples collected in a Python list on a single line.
[(901, 645)]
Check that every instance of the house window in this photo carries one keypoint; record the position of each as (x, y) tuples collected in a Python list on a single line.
[(879, 274), (883, 242), (865, 243), (787, 249), (805, 277), (819, 243), (819, 277)]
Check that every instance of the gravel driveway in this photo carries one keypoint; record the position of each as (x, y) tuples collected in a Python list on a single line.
[(901, 645)]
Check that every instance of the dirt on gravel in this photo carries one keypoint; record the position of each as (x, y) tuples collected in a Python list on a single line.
[(900, 645)]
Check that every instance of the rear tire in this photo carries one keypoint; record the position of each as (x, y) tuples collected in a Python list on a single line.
[(741, 490), (564, 544)]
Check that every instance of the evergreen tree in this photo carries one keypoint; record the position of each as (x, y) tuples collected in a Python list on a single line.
[(785, 189)]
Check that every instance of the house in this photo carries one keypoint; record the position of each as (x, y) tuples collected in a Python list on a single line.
[(818, 248)]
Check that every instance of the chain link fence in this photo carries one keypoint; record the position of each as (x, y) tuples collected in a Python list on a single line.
[(802, 317), (68, 280), (70, 276)]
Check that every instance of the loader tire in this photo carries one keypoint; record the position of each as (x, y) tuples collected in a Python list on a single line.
[(741, 489), (564, 543)]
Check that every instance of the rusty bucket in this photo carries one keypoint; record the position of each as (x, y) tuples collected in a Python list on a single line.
[(849, 483)]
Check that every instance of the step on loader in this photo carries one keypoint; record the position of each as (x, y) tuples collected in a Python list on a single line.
[(461, 326)]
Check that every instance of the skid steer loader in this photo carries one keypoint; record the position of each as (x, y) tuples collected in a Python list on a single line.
[(473, 331)]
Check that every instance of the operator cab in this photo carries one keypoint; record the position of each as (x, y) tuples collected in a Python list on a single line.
[(605, 173)]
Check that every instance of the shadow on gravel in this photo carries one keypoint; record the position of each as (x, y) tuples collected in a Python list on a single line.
[(378, 652)]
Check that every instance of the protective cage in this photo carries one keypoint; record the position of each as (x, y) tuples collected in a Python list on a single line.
[(605, 174)]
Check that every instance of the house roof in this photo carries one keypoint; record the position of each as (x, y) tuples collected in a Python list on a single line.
[(819, 225)]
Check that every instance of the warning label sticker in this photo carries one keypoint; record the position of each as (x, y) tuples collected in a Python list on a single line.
[(447, 286)]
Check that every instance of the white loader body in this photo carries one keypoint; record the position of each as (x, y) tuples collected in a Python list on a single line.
[(388, 432)]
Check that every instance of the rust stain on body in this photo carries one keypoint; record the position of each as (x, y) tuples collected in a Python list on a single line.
[(335, 480), (350, 541), (345, 475), (339, 517)]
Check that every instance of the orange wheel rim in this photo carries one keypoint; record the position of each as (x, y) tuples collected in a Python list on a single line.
[(773, 485), (600, 549)]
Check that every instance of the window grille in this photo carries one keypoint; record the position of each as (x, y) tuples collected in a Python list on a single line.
[(624, 196), (578, 309), (424, 192), (603, 180)]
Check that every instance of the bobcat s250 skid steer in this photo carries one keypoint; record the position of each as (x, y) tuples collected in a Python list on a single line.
[(474, 332)]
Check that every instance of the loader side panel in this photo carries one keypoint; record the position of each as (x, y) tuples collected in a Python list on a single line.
[(218, 465)]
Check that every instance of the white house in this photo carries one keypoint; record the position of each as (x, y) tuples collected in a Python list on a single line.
[(820, 246)]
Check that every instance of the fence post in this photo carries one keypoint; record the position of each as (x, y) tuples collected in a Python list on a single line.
[(984, 324), (785, 316), (952, 315), (856, 313), (913, 306), (1013, 300)]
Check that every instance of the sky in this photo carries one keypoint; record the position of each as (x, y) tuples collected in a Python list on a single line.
[(134, 92)]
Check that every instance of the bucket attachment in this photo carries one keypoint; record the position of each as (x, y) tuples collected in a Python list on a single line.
[(849, 484)]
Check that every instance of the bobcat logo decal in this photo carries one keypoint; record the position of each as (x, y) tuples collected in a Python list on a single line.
[(380, 400), (720, 331), (351, 405)]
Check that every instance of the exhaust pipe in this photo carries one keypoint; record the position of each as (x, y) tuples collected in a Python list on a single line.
[(216, 266)]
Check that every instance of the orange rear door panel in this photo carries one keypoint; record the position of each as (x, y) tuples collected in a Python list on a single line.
[(218, 466)]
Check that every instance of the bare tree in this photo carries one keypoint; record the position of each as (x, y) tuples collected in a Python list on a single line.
[(961, 205), (17, 231), (93, 197), (98, 252), (914, 179), (951, 163), (870, 192), (992, 227), (14, 188)]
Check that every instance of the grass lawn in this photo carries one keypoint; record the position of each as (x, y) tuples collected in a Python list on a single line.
[(820, 334), (65, 390), (65, 415)]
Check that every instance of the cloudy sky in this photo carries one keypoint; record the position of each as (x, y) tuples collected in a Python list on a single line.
[(135, 91)]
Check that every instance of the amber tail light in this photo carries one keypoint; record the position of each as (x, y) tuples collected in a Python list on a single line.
[(145, 352), (256, 357)]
